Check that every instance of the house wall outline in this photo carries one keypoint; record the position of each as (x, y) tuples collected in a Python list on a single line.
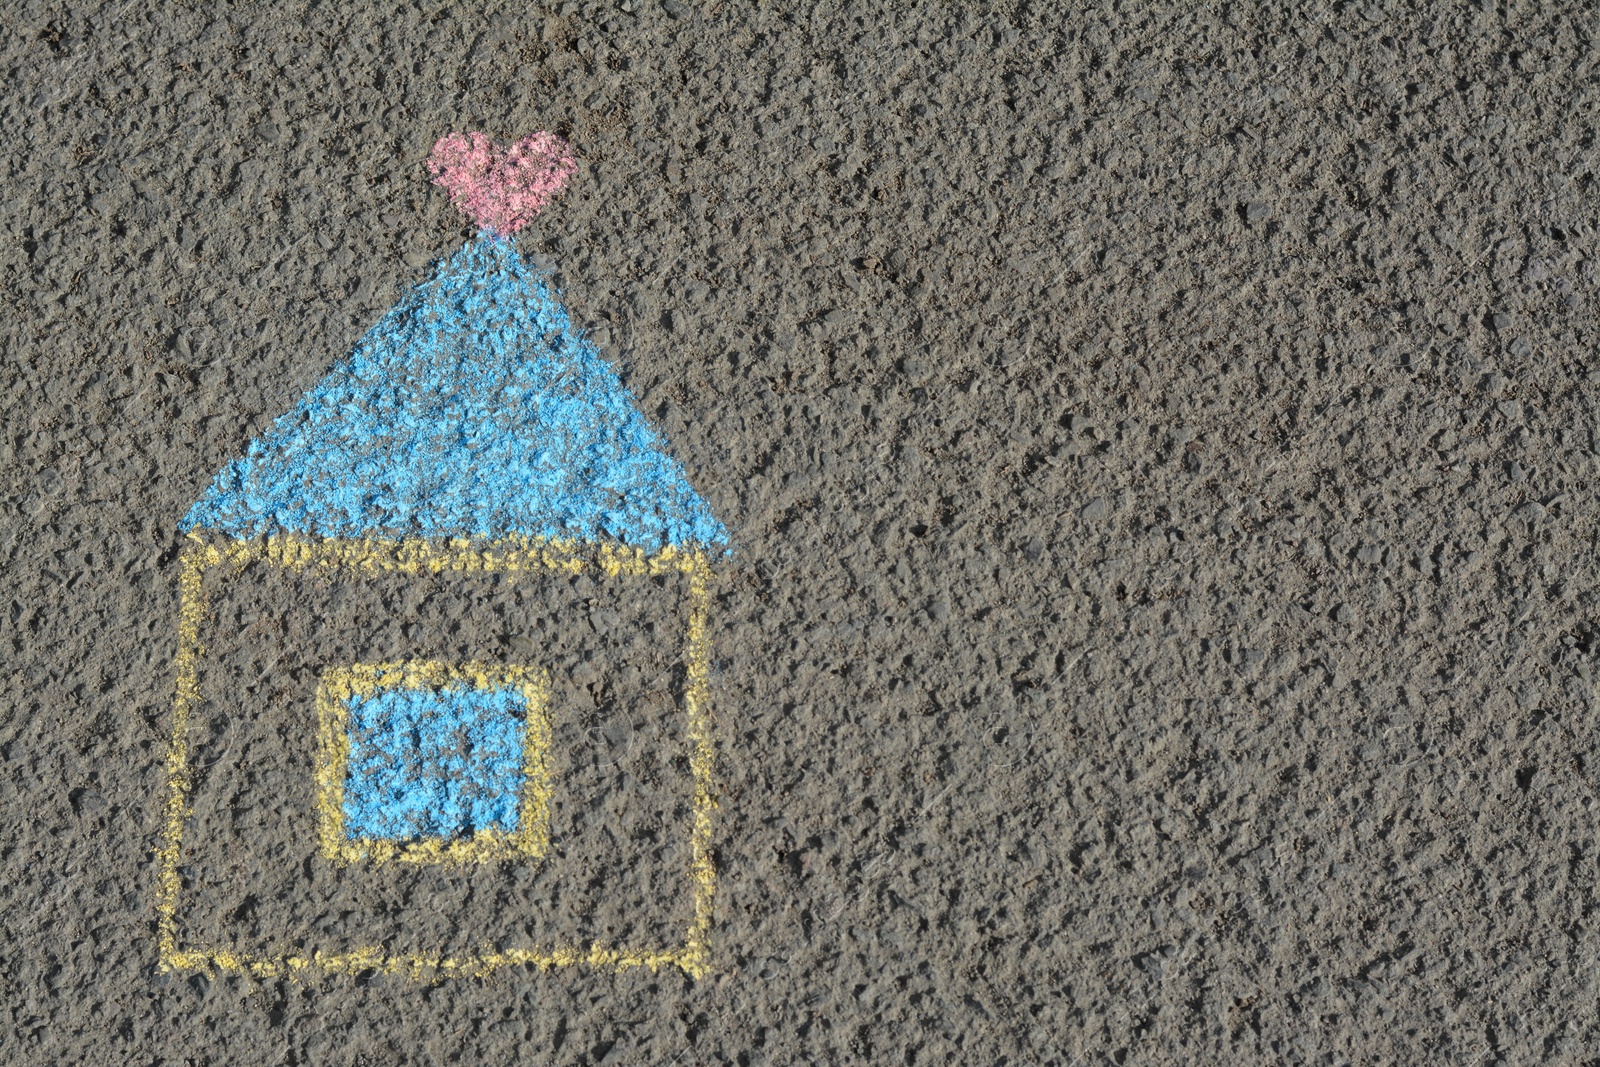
[(510, 557)]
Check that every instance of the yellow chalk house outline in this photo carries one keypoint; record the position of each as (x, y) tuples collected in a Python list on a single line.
[(511, 556)]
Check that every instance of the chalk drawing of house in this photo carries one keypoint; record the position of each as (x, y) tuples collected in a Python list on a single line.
[(474, 430)]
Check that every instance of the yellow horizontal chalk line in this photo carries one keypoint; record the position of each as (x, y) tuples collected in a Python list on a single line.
[(421, 967), (508, 555), (501, 555)]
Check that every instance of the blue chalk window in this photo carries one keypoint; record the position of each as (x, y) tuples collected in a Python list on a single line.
[(434, 763), (427, 762)]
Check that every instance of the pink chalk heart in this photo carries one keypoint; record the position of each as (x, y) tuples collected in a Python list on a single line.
[(501, 188)]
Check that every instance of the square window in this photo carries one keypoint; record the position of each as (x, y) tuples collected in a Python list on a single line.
[(427, 763), (433, 762)]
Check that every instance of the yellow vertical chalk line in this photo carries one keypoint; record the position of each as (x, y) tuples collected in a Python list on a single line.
[(696, 957), (333, 744), (537, 789), (191, 616)]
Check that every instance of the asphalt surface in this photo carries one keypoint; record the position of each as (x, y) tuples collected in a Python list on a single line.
[(1159, 452)]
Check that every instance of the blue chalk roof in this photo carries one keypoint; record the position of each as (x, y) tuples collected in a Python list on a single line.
[(472, 409)]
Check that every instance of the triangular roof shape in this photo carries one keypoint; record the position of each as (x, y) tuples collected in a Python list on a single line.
[(472, 409)]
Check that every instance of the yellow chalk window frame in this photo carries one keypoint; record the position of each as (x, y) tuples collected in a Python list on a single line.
[(340, 686), (510, 556)]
